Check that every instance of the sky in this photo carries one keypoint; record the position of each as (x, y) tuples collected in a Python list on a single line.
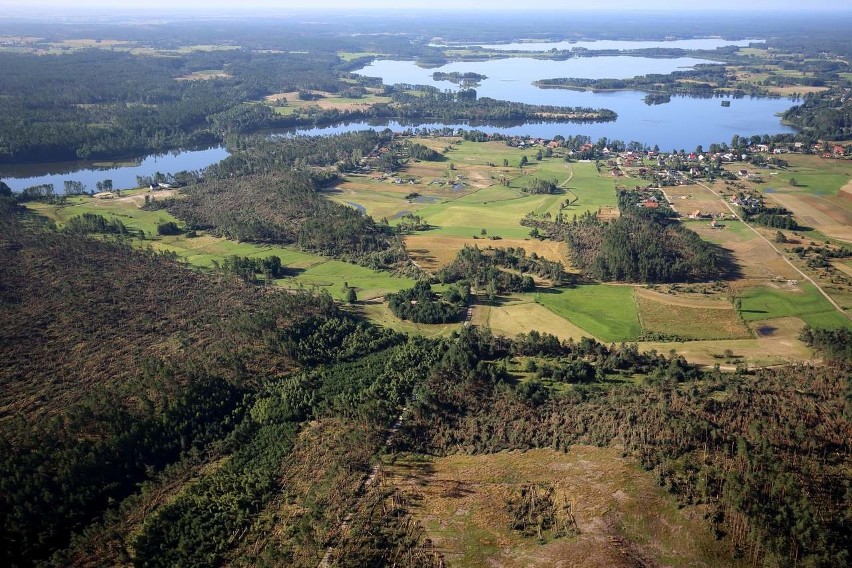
[(348, 5)]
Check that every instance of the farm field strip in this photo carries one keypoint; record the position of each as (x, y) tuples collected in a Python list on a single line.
[(605, 311)]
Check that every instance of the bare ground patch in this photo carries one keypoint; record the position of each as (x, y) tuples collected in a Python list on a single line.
[(624, 518), (138, 199)]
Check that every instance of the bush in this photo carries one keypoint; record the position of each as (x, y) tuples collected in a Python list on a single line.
[(168, 228)]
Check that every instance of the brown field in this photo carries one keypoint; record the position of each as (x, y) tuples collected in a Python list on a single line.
[(800, 89), (843, 267), (775, 344), (433, 252), (609, 213), (624, 517), (688, 198), (522, 315), (831, 216), (660, 313), (757, 260)]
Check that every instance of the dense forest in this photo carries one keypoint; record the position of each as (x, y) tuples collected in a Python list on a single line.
[(642, 245), (285, 208), (705, 80), (826, 115), (421, 305), (500, 270), (60, 107)]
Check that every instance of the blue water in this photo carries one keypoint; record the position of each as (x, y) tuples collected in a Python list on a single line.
[(685, 122), (123, 177), (621, 45)]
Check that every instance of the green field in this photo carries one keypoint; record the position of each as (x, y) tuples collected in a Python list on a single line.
[(483, 203), (806, 302), (331, 275), (813, 175), (606, 311), (205, 251), (124, 211)]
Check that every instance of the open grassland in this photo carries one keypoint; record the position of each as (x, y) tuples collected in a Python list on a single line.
[(378, 312), (624, 517), (757, 262), (124, 209), (831, 216), (776, 344), (663, 314), (205, 75), (286, 103), (206, 251), (687, 199), (785, 299), (331, 275), (814, 175), (818, 191), (519, 313), (605, 311), (479, 199)]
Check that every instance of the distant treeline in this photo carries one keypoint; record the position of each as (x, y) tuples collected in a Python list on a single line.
[(706, 80)]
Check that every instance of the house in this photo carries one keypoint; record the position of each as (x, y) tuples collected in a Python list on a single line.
[(616, 172), (743, 173)]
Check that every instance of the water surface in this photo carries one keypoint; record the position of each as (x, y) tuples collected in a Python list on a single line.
[(123, 176), (621, 45)]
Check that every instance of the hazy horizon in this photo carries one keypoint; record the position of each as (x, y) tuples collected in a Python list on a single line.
[(734, 6)]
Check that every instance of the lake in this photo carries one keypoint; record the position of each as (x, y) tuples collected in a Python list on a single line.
[(685, 122), (621, 45), (123, 176)]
